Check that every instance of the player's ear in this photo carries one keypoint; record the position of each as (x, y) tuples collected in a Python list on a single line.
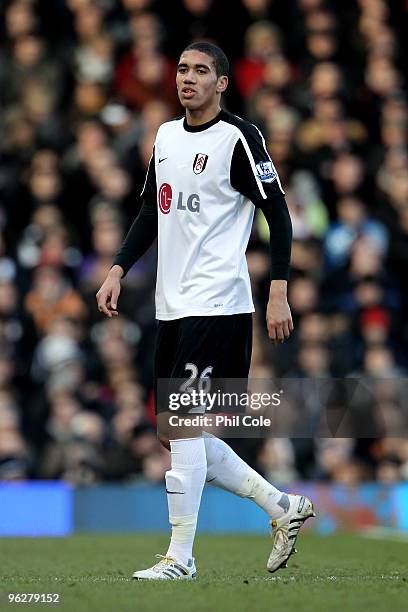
[(222, 84)]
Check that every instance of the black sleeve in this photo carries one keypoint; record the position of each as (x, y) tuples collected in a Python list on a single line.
[(280, 231), (144, 228), (259, 181)]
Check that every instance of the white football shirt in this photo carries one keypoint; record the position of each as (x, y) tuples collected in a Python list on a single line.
[(205, 180)]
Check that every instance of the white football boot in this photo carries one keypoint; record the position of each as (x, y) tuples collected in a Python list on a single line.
[(168, 569), (285, 531)]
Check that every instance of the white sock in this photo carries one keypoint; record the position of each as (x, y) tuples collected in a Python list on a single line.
[(225, 469), (184, 484)]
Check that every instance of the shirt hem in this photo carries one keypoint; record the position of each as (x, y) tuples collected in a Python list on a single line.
[(203, 312)]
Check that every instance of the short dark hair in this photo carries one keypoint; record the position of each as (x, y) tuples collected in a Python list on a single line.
[(218, 56)]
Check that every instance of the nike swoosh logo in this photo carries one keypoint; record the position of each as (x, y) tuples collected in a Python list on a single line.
[(175, 492), (162, 159)]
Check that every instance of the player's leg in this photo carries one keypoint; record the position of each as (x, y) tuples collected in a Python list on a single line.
[(184, 486), (225, 469), (228, 471), (186, 478)]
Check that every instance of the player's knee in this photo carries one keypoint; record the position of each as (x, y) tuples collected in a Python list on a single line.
[(175, 482), (163, 439), (248, 486)]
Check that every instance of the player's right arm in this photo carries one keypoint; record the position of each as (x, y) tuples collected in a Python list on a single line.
[(139, 238)]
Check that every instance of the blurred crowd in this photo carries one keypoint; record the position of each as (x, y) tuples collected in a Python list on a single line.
[(84, 85)]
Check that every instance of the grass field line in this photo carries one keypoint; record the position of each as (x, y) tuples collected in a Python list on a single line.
[(123, 579)]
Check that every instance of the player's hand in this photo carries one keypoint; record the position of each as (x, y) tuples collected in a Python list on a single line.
[(278, 315), (108, 295)]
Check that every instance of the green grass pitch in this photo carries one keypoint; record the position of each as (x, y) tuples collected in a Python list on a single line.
[(92, 573)]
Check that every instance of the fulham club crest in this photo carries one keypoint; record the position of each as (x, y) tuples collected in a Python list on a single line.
[(200, 162)]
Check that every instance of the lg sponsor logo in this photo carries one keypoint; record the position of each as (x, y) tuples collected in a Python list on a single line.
[(190, 203), (164, 198)]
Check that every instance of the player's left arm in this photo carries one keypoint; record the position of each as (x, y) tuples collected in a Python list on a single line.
[(278, 314), (254, 175)]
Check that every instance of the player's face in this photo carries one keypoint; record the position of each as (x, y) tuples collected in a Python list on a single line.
[(198, 86)]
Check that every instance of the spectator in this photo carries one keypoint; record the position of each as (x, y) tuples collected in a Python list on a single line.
[(83, 89)]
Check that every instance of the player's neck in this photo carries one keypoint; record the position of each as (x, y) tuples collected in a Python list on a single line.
[(201, 116)]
